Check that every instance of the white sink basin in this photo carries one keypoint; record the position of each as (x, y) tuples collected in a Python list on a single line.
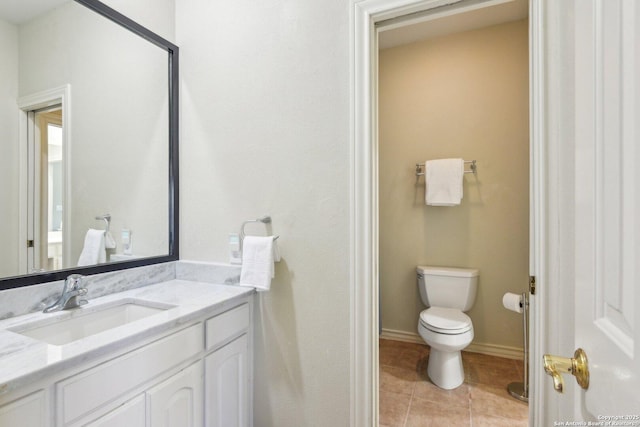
[(87, 321)]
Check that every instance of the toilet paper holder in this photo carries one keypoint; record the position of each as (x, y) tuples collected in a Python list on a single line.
[(513, 302), (520, 390)]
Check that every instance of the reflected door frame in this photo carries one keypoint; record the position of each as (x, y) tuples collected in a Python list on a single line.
[(42, 199), (29, 223)]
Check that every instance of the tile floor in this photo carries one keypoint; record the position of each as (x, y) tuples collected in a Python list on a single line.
[(408, 398)]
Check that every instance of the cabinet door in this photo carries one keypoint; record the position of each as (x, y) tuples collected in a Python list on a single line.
[(226, 399), (177, 402), (80, 395), (131, 414), (28, 411)]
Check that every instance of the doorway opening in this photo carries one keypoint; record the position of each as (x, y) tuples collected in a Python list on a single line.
[(44, 180), (453, 87), (369, 14)]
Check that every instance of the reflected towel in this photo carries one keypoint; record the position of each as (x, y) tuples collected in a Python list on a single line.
[(93, 251), (443, 181), (109, 241), (257, 262)]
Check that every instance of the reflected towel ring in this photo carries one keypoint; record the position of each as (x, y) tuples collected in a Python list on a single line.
[(107, 221)]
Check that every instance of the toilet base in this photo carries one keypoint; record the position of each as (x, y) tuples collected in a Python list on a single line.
[(445, 368)]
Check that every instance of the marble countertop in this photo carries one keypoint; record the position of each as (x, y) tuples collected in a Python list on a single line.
[(24, 360)]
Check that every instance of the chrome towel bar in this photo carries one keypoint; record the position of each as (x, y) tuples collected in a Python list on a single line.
[(473, 168)]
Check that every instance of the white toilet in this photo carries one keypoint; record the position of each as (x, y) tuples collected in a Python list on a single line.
[(447, 292)]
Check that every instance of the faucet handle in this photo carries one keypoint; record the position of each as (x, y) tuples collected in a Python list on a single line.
[(70, 292), (73, 282)]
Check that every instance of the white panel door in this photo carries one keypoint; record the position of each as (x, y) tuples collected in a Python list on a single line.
[(177, 402), (226, 373), (607, 207)]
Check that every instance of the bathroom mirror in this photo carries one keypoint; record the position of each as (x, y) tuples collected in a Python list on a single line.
[(89, 141)]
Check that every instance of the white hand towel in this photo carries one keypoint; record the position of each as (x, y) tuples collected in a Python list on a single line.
[(93, 251), (443, 179), (257, 262), (276, 251), (109, 241)]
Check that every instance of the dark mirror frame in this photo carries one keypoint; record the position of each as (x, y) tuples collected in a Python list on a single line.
[(173, 83)]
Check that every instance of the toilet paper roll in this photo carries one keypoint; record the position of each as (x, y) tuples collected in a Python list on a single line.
[(512, 302)]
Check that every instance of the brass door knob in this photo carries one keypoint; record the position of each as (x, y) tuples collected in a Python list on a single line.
[(577, 366)]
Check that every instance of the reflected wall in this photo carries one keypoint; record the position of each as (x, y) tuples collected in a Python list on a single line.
[(8, 149), (117, 134)]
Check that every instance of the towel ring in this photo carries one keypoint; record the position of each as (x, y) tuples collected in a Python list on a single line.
[(107, 221), (264, 219)]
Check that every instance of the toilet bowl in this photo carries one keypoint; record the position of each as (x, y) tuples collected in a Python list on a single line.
[(447, 331), (447, 292)]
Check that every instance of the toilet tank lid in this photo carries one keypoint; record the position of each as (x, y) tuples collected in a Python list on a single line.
[(448, 271)]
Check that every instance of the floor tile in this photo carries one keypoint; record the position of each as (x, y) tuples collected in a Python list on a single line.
[(389, 355), (425, 413), (393, 408), (520, 368), (495, 401), (414, 357), (491, 421), (482, 400), (397, 380), (483, 369), (459, 396)]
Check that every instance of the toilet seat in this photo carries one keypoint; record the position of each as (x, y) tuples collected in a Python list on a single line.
[(448, 321)]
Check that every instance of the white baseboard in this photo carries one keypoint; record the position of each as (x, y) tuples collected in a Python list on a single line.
[(474, 347), (391, 334)]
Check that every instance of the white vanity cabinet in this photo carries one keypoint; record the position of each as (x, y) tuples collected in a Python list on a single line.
[(227, 369), (30, 410), (175, 402), (198, 374)]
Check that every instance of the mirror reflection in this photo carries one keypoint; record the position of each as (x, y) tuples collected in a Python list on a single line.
[(84, 137)]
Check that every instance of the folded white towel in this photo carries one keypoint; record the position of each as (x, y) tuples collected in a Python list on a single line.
[(93, 251), (443, 179), (257, 262)]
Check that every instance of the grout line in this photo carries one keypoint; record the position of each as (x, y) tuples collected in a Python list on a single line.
[(413, 392), (406, 416), (470, 404)]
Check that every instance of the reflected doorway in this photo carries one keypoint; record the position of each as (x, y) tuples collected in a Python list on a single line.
[(45, 189)]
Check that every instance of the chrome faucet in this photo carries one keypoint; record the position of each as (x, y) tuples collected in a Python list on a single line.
[(71, 294)]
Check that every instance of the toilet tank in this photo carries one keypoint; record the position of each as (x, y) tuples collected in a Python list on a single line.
[(448, 287)]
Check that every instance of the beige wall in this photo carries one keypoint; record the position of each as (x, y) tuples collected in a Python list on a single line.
[(464, 95)]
